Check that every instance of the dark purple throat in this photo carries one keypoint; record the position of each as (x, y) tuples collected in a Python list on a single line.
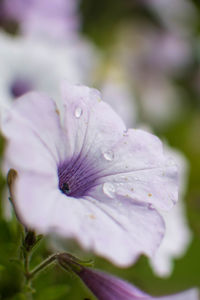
[(77, 177)]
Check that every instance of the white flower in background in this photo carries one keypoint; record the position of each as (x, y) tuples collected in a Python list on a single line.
[(159, 101), (31, 64), (177, 236), (116, 91)]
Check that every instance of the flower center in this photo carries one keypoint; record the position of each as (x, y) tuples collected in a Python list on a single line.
[(20, 86), (77, 177)]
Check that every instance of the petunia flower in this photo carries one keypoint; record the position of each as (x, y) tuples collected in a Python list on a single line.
[(58, 19), (108, 287), (83, 175)]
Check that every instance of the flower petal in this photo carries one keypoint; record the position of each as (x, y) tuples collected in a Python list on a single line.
[(122, 174), (35, 198), (33, 131), (86, 219), (98, 133), (90, 124), (140, 170)]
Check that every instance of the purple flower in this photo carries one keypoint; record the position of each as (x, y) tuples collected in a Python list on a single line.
[(108, 287), (53, 18), (83, 175)]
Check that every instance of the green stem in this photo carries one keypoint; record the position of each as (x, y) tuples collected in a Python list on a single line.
[(47, 262), (26, 265)]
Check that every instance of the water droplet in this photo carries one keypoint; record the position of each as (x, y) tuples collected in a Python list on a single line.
[(78, 112), (108, 155), (109, 189)]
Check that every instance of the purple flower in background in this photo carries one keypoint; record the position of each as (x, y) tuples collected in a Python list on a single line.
[(166, 53), (43, 17), (83, 175), (108, 287)]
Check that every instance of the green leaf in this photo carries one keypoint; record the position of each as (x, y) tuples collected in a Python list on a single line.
[(54, 292)]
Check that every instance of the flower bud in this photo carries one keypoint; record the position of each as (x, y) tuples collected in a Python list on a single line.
[(108, 287)]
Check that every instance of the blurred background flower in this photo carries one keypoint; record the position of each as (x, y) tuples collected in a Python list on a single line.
[(58, 19)]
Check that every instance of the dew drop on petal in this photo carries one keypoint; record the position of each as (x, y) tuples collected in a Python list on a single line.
[(78, 112), (109, 189), (108, 155)]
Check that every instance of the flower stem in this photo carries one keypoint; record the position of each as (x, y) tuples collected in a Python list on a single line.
[(26, 264), (46, 263)]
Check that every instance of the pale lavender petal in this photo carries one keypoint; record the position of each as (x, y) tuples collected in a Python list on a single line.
[(133, 160), (91, 126), (33, 130), (86, 219), (36, 197), (140, 170), (92, 218), (72, 174)]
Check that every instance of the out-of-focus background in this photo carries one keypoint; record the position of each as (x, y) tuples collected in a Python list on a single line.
[(144, 57)]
